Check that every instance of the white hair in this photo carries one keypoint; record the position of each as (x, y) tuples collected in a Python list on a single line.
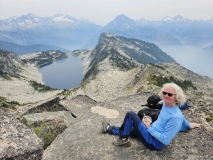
[(180, 96)]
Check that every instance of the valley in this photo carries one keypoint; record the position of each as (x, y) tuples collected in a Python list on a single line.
[(120, 73)]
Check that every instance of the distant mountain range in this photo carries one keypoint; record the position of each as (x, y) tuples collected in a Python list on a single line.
[(177, 31), (67, 32), (207, 50), (60, 30), (124, 53), (20, 49), (124, 26)]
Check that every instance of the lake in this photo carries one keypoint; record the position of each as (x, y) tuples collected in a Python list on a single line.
[(63, 74)]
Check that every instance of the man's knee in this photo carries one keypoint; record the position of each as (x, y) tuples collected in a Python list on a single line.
[(131, 113), (133, 116)]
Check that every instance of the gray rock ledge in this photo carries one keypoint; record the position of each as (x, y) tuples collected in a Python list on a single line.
[(18, 142), (84, 140)]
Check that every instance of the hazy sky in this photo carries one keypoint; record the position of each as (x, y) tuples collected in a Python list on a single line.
[(103, 11)]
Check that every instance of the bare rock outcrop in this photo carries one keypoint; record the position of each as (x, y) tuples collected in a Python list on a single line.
[(84, 140), (18, 142), (9, 63), (47, 119)]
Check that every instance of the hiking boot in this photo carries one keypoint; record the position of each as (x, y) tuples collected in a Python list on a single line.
[(120, 142), (104, 126)]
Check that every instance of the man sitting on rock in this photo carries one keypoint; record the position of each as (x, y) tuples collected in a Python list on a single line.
[(160, 133)]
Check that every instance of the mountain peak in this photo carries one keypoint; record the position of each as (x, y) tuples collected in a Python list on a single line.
[(121, 22), (28, 16), (167, 18), (63, 18), (179, 18), (31, 15), (129, 47), (123, 19), (107, 34), (176, 18), (60, 17), (122, 16)]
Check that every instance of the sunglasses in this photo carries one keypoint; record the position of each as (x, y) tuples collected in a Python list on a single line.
[(169, 94)]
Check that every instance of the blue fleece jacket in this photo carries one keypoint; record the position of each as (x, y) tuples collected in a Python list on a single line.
[(170, 121)]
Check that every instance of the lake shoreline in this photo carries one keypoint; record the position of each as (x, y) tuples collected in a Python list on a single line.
[(63, 74)]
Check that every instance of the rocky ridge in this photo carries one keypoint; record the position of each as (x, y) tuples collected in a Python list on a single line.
[(42, 58), (9, 63), (111, 82), (124, 50)]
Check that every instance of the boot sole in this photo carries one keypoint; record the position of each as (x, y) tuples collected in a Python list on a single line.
[(103, 130), (125, 145)]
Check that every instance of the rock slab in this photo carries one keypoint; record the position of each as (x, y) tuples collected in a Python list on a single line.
[(84, 140), (18, 142)]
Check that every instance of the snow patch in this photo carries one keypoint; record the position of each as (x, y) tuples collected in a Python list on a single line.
[(61, 18)]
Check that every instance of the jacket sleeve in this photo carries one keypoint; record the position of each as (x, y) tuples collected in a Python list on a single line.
[(171, 129), (185, 125)]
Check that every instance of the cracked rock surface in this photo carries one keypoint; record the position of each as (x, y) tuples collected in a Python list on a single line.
[(17, 141), (84, 140)]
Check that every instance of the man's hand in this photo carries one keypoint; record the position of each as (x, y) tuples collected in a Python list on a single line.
[(195, 125), (147, 122)]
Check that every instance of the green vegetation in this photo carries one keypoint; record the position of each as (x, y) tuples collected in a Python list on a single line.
[(7, 105), (120, 61), (208, 119), (2, 99), (147, 47), (155, 65), (25, 121), (20, 69), (208, 113), (47, 131), (66, 92), (92, 71), (159, 81), (4, 75), (40, 87), (47, 57)]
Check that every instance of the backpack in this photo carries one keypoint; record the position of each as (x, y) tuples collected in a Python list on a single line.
[(153, 113), (154, 102), (155, 105), (184, 106)]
